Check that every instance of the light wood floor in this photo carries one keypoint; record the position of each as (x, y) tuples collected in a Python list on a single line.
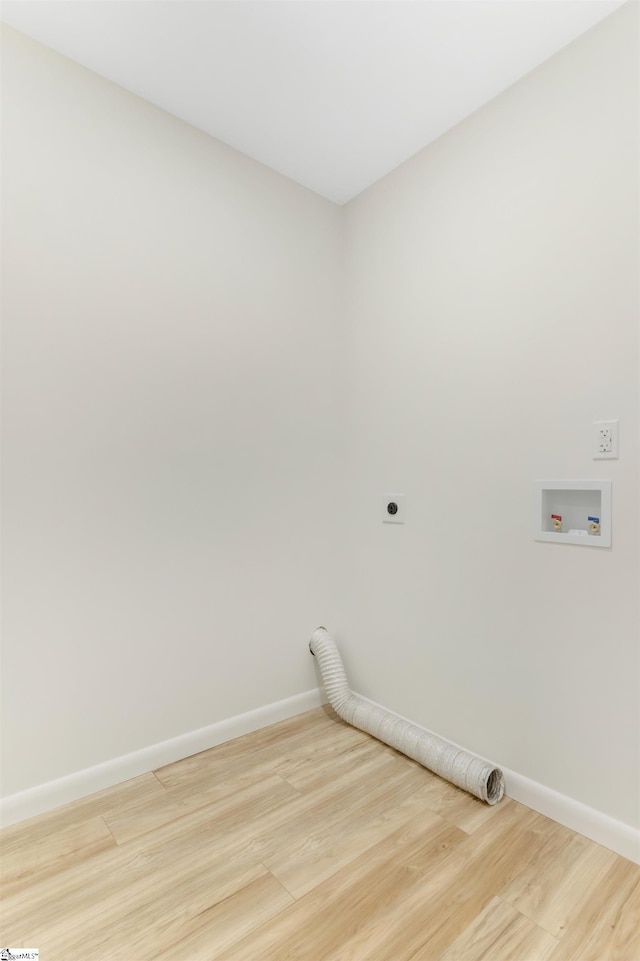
[(311, 841)]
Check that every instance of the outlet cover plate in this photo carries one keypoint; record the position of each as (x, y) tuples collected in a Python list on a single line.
[(391, 516), (605, 440)]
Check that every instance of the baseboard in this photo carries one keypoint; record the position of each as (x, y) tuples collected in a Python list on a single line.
[(615, 835), (72, 787), (612, 834)]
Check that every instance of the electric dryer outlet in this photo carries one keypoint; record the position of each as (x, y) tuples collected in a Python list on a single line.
[(393, 509)]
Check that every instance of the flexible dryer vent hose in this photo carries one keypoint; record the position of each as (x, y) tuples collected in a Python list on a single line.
[(470, 773)]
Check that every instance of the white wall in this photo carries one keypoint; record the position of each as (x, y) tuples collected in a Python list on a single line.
[(171, 413), (493, 299), (181, 386)]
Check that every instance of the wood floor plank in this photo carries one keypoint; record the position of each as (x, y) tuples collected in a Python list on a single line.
[(336, 812), (501, 933), (607, 928), (258, 820), (120, 925), (207, 769), (280, 822), (135, 793), (462, 809), (304, 771), (463, 898), (223, 924), (173, 848), (334, 802), (450, 893), (554, 885), (273, 741), (30, 862), (177, 803), (386, 862), (335, 910), (312, 858)]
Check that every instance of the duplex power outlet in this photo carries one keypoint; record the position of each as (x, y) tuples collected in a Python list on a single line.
[(605, 440)]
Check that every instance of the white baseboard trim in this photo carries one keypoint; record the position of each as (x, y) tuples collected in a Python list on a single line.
[(72, 787), (615, 835), (607, 831), (599, 827)]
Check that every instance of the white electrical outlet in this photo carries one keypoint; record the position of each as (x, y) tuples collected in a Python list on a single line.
[(393, 509), (605, 440)]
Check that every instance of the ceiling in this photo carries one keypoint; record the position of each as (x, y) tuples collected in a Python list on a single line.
[(332, 93)]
